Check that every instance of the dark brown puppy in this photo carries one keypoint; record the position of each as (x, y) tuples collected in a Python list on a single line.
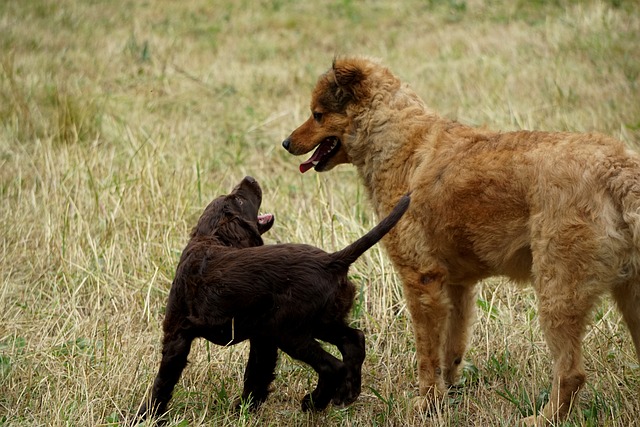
[(229, 288)]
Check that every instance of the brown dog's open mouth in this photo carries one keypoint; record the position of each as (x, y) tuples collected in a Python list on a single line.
[(321, 156), (265, 222), (265, 218)]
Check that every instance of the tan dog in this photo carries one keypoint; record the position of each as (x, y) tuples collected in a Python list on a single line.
[(561, 210)]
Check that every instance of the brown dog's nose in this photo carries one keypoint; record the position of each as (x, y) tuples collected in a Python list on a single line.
[(286, 144)]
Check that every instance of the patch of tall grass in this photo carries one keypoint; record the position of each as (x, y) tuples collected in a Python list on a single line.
[(120, 120)]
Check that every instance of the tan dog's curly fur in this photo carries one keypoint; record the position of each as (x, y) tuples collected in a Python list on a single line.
[(561, 210)]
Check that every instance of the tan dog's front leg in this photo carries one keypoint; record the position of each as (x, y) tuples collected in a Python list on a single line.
[(429, 307), (462, 300)]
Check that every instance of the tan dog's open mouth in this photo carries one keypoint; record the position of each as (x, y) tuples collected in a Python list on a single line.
[(327, 148)]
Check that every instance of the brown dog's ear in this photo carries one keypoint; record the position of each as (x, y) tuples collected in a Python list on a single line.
[(349, 76)]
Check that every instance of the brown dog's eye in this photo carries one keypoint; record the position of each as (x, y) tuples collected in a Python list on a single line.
[(317, 116), (239, 201)]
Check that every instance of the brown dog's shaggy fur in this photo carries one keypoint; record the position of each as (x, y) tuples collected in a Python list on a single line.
[(229, 288), (561, 210)]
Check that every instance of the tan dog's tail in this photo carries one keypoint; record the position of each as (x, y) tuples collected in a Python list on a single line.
[(348, 255), (624, 183)]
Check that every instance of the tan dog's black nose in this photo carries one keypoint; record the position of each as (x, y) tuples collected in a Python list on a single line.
[(286, 144)]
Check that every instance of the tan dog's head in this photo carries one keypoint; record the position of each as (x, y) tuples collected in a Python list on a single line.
[(344, 86)]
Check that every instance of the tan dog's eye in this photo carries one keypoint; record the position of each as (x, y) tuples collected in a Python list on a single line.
[(317, 116)]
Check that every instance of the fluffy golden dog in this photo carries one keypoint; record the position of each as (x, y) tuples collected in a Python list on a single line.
[(561, 210)]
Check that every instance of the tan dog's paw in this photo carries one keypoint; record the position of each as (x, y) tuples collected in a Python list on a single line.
[(430, 402), (534, 421), (420, 403)]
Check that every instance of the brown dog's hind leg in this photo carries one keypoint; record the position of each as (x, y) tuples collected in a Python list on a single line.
[(627, 297), (331, 371), (351, 344), (462, 299)]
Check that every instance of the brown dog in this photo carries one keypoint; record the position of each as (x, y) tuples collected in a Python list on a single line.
[(561, 210), (229, 287)]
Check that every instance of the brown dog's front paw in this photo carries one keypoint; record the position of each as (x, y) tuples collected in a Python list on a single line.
[(147, 411), (142, 414), (237, 404)]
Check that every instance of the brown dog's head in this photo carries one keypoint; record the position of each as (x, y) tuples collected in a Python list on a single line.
[(234, 219), (335, 98)]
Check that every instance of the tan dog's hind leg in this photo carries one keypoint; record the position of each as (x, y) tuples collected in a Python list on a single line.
[(462, 300), (429, 307), (628, 299), (563, 318)]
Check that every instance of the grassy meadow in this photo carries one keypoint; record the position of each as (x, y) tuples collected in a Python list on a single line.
[(120, 120)]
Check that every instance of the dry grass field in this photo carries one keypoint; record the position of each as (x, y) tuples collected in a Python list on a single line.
[(120, 120)]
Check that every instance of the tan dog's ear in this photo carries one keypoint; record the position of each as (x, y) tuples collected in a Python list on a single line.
[(349, 77)]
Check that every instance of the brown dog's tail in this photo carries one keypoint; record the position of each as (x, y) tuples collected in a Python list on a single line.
[(345, 257)]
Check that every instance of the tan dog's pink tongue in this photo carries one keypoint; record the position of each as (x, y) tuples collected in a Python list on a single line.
[(320, 152), (313, 160), (306, 166)]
